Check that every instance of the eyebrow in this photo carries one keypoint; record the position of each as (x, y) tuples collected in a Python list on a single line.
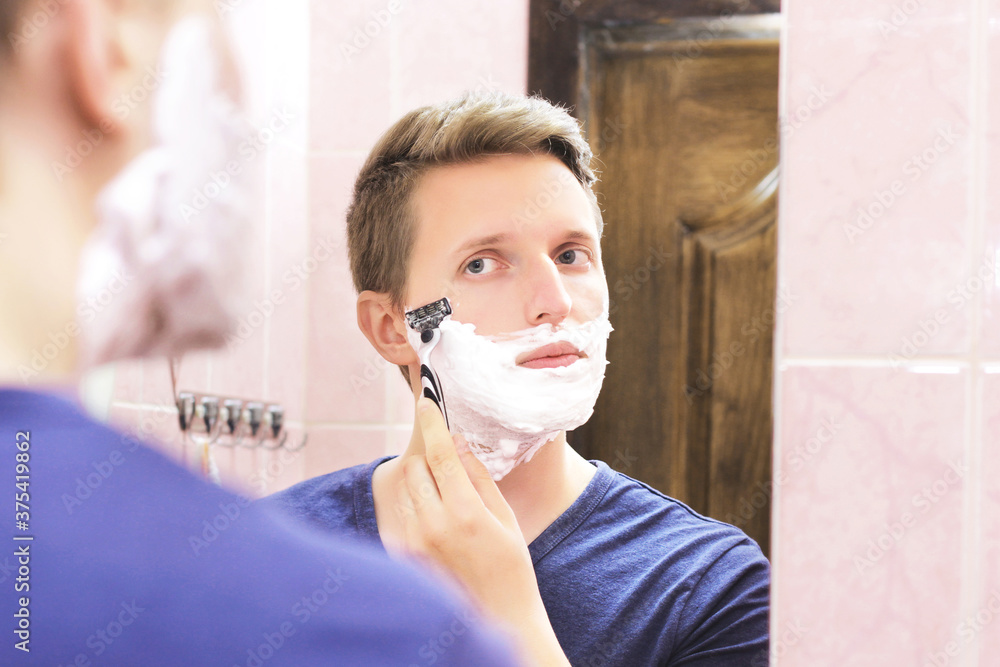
[(494, 239)]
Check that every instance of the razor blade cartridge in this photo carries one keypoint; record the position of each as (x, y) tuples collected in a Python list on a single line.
[(430, 316)]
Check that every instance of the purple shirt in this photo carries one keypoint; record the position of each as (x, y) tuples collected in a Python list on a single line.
[(134, 561), (628, 575)]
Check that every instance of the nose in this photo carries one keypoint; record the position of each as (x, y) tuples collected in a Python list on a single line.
[(546, 299)]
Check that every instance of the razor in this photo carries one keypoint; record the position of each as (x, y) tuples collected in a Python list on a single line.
[(425, 321)]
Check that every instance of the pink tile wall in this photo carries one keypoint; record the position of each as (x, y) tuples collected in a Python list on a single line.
[(987, 625), (343, 72), (266, 360), (991, 274), (872, 475), (887, 397), (371, 63), (886, 455), (879, 172)]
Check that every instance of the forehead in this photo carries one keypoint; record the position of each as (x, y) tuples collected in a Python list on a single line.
[(515, 194)]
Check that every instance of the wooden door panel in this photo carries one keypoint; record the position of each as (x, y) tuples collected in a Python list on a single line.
[(682, 115)]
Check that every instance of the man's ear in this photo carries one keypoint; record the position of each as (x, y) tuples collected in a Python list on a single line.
[(385, 329), (93, 56)]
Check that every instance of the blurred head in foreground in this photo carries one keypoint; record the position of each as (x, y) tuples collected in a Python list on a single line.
[(120, 196)]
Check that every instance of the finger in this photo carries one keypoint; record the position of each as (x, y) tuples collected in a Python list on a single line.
[(421, 486), (484, 485), (442, 458), (407, 515)]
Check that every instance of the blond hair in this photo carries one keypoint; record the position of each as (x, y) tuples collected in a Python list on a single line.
[(380, 223)]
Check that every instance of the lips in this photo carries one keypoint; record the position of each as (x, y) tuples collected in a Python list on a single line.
[(551, 356)]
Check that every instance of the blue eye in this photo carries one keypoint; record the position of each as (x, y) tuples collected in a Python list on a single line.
[(574, 256), (482, 265)]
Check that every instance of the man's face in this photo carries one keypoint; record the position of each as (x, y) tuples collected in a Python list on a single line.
[(511, 241)]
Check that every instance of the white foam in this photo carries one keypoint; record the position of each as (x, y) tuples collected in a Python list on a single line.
[(507, 412)]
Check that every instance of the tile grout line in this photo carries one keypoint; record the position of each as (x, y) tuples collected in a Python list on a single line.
[(879, 361), (395, 96), (777, 389), (971, 574), (306, 194)]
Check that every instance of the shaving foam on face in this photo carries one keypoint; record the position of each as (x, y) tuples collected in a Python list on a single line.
[(507, 412)]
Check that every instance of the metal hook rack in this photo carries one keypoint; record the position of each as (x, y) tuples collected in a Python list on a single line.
[(234, 422)]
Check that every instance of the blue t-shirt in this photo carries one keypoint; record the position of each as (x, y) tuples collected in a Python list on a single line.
[(134, 561), (628, 575)]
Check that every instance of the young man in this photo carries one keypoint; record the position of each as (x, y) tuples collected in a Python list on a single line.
[(487, 200), (114, 555)]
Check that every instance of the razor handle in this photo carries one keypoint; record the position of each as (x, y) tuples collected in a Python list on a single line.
[(429, 382)]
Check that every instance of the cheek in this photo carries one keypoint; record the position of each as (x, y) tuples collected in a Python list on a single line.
[(493, 311), (590, 296)]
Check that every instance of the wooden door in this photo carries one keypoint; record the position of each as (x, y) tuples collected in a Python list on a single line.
[(679, 101)]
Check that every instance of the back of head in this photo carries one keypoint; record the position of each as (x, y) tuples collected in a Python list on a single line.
[(380, 223)]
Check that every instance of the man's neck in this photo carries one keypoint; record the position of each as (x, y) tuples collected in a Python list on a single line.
[(43, 231), (538, 491)]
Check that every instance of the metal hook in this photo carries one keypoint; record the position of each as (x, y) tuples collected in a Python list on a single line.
[(232, 414), (305, 437), (185, 410), (253, 416), (275, 417)]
